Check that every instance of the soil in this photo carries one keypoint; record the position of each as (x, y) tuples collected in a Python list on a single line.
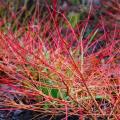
[(29, 115)]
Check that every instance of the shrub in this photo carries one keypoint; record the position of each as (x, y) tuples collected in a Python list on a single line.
[(54, 69)]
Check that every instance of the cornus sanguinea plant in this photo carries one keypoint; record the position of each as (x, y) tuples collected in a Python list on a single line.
[(55, 69)]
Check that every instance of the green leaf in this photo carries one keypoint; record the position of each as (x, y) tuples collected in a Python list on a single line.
[(73, 18), (46, 105), (45, 90), (54, 93), (75, 2), (93, 36)]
